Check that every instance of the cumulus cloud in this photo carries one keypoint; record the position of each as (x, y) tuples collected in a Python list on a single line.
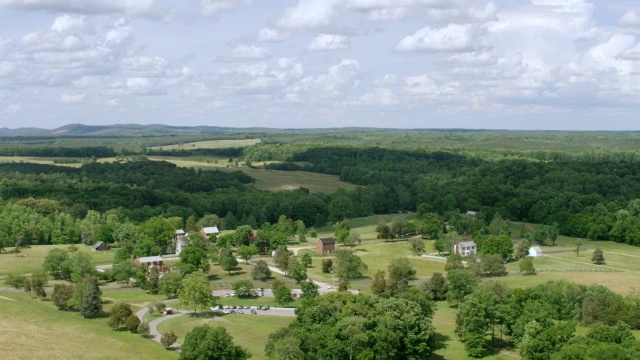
[(244, 52), (73, 98), (88, 7), (308, 14), (328, 42), (630, 18), (339, 80), (214, 7), (272, 35), (454, 37)]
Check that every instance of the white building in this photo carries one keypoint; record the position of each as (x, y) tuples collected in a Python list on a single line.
[(180, 241), (465, 248), (208, 231), (535, 251)]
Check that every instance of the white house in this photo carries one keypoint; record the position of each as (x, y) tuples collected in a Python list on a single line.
[(180, 241), (535, 251), (208, 231), (465, 248)]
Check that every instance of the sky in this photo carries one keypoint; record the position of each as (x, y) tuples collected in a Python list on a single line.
[(500, 64)]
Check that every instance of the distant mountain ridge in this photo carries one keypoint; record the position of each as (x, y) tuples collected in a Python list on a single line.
[(116, 130)]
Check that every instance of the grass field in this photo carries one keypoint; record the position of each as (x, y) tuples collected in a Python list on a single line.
[(209, 144), (135, 297), (249, 331), (31, 329), (35, 255), (365, 226), (278, 180), (220, 279)]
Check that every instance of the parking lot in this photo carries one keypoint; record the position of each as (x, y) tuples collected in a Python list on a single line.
[(253, 310)]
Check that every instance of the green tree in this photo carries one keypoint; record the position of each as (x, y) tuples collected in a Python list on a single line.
[(61, 295), (242, 288), (540, 343), (417, 246), (400, 272), (461, 283), (454, 261), (91, 303), (498, 226), (342, 232), (348, 265), (298, 272), (170, 284), (118, 315), (124, 271), (384, 231), (153, 280), (81, 266), (300, 230), (38, 281), (501, 245), (429, 226), (246, 252), (598, 257), (379, 285), (526, 266), (56, 264), (493, 265), (143, 329), (241, 235), (196, 292), (522, 249), (209, 220), (196, 257), (281, 258), (578, 244), (168, 338), (282, 295), (260, 270), (227, 261), (159, 230), (306, 259), (442, 245), (437, 286), (132, 323), (354, 239), (211, 343), (309, 290), (15, 280), (327, 265), (229, 222)]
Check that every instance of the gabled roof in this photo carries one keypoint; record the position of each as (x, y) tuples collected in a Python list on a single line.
[(149, 259), (327, 241), (536, 249), (98, 244), (180, 232), (467, 243), (211, 230)]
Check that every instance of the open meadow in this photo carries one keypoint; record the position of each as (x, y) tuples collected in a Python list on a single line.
[(32, 329), (278, 180), (248, 330), (209, 144)]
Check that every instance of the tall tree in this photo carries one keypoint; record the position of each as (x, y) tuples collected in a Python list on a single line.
[(417, 246), (211, 343), (227, 260), (91, 305), (260, 270), (281, 258), (118, 315), (246, 252), (400, 271), (598, 257), (196, 292), (348, 265)]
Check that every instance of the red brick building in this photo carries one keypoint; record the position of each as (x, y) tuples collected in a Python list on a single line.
[(150, 261), (325, 246)]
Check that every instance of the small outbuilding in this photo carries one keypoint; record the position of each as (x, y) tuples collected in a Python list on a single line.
[(535, 251), (208, 231), (325, 246), (100, 246)]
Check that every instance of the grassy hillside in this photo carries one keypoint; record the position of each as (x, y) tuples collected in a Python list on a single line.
[(31, 329)]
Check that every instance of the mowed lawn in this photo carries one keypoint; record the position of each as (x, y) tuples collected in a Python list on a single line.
[(364, 226), (30, 259), (278, 180), (248, 330), (209, 144), (32, 329)]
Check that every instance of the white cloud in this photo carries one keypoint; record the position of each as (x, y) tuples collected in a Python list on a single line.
[(88, 7), (214, 7), (272, 35), (339, 80), (13, 108), (328, 42), (264, 79), (250, 52), (73, 98), (378, 97), (630, 18), (454, 37), (389, 14), (308, 14), (69, 24)]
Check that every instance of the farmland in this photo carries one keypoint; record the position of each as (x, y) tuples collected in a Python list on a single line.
[(209, 144)]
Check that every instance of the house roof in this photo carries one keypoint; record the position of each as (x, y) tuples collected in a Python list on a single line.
[(467, 243), (536, 249), (472, 213), (149, 259), (211, 230), (98, 244), (180, 232), (327, 240)]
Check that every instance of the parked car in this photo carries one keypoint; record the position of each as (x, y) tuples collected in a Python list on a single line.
[(253, 311)]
